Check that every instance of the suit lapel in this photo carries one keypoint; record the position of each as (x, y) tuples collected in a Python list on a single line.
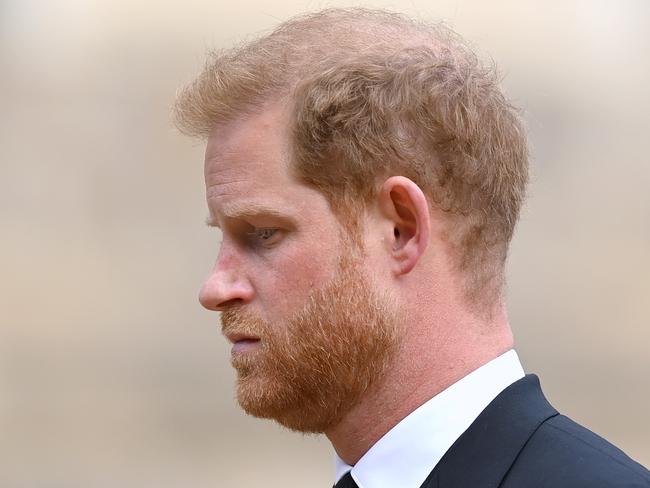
[(483, 454)]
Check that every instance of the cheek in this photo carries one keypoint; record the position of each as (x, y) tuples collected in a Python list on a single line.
[(292, 277)]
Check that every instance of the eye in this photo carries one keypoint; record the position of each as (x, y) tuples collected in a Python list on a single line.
[(264, 235)]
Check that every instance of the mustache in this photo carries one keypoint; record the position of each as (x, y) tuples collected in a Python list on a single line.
[(239, 322)]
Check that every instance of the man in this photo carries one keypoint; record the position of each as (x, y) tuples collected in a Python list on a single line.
[(367, 173)]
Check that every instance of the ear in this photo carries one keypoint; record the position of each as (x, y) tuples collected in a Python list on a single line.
[(403, 203)]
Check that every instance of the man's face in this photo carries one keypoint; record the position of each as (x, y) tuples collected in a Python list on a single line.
[(310, 332)]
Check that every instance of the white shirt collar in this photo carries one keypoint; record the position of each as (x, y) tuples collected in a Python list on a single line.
[(408, 452)]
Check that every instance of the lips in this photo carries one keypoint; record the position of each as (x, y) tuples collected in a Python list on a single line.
[(235, 337), (242, 342), (244, 331)]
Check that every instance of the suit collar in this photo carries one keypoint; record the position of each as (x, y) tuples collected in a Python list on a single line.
[(483, 454), (406, 454)]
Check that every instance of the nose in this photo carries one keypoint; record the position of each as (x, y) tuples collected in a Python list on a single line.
[(224, 288)]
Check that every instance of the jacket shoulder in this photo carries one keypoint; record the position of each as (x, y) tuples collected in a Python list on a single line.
[(562, 453)]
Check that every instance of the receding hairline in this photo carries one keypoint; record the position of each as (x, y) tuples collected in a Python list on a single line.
[(300, 46)]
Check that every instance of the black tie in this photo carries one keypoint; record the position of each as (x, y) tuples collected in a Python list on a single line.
[(346, 482)]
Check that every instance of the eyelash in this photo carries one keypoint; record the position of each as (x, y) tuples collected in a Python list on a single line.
[(263, 235)]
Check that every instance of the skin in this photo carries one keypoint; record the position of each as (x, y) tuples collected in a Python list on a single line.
[(250, 188)]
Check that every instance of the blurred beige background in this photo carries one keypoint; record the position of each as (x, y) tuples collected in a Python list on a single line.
[(112, 375)]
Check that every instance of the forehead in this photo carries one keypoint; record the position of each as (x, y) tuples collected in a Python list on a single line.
[(250, 143), (247, 167)]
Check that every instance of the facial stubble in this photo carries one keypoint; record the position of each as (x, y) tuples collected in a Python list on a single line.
[(313, 368)]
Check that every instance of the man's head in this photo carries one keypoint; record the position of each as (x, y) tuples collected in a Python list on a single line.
[(373, 94), (365, 171)]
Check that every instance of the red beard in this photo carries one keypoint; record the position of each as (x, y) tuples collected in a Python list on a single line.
[(310, 370)]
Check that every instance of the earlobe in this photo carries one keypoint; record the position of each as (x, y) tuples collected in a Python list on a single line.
[(404, 204)]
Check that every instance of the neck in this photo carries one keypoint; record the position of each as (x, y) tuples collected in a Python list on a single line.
[(442, 360)]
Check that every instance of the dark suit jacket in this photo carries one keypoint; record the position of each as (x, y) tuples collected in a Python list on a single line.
[(521, 441)]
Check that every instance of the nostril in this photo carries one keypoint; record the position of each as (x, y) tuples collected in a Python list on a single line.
[(233, 302)]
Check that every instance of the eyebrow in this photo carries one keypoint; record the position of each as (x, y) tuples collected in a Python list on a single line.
[(246, 210)]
